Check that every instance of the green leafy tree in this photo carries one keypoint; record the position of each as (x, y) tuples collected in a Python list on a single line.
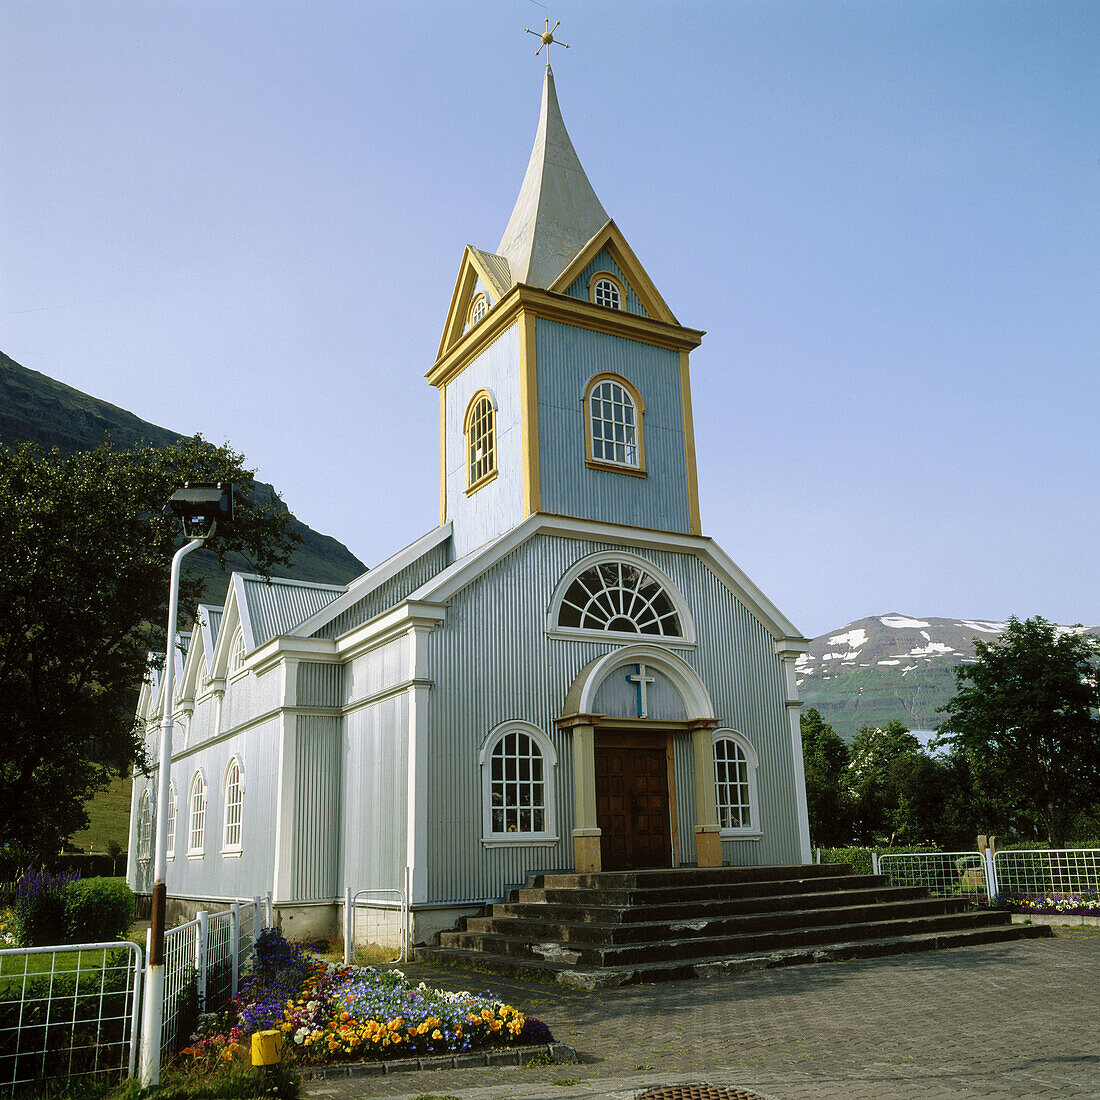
[(84, 570), (1025, 715), (828, 799), (882, 765)]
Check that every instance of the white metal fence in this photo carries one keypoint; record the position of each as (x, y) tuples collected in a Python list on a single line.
[(376, 926), (68, 1011), (944, 874), (1057, 873), (202, 963), (1060, 872)]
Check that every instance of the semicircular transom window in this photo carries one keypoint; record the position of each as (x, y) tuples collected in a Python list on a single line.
[(621, 598)]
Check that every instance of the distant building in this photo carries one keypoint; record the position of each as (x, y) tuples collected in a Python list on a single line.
[(565, 673)]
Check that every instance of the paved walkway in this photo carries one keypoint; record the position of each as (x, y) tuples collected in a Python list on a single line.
[(1018, 1020)]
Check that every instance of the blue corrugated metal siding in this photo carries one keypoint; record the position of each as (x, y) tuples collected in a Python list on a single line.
[(317, 808), (567, 358), (604, 262), (497, 505), (214, 874), (375, 747), (389, 592), (320, 685), (618, 697), (493, 662), (277, 608)]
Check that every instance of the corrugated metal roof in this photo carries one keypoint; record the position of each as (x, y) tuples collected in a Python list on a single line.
[(277, 607), (214, 617), (496, 270)]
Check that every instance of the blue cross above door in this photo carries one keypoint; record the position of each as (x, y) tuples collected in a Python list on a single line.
[(642, 680)]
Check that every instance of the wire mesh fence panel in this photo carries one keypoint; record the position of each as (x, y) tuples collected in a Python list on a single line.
[(1058, 873), (181, 986), (944, 874), (68, 1011), (379, 927), (219, 960)]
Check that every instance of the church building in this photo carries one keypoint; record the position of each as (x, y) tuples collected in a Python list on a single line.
[(565, 673)]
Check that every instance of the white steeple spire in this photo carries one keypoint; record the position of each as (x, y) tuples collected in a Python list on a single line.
[(557, 211)]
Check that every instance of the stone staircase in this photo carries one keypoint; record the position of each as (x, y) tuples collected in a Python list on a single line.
[(616, 928)]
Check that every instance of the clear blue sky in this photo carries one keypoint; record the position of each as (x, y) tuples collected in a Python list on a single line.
[(246, 218)]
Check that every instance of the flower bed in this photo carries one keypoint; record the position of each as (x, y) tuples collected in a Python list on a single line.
[(1085, 905), (338, 1013)]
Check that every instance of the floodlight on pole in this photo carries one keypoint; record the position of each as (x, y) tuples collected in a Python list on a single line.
[(199, 507)]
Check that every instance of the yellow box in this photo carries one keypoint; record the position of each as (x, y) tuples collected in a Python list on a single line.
[(267, 1048)]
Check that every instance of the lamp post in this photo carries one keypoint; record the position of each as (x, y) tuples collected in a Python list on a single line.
[(199, 508)]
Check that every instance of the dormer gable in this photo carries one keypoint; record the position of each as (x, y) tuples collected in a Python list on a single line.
[(480, 275), (607, 252)]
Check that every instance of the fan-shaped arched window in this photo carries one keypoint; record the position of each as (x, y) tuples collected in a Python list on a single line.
[(735, 784), (478, 309), (619, 597), (196, 800), (236, 652), (613, 424), (145, 828), (480, 431), (234, 801), (172, 805), (605, 290), (518, 764)]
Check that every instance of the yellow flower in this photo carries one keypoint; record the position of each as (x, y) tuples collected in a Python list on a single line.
[(437, 1034)]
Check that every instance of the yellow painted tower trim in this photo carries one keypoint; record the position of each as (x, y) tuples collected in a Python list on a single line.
[(689, 448), (529, 405)]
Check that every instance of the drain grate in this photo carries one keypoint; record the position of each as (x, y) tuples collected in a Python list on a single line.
[(696, 1092)]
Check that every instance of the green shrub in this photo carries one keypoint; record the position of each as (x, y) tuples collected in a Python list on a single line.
[(859, 859), (98, 909), (38, 908)]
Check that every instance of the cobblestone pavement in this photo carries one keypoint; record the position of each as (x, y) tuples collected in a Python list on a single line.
[(1018, 1020)]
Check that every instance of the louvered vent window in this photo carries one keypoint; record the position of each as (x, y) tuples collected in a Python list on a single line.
[(517, 786), (621, 598), (614, 424), (480, 441)]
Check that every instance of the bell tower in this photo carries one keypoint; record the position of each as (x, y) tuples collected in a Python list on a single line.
[(562, 374)]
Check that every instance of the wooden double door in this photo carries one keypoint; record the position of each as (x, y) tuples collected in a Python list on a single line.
[(633, 808)]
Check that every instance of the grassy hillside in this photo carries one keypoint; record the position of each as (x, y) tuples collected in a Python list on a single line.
[(109, 818)]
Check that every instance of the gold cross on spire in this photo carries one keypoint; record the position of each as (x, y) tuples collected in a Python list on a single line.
[(548, 39)]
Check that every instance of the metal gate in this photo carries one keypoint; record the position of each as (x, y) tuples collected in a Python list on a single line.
[(376, 927)]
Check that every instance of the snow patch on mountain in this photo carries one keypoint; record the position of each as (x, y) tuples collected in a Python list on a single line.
[(898, 622)]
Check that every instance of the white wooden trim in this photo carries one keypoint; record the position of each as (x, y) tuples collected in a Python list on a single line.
[(754, 830)]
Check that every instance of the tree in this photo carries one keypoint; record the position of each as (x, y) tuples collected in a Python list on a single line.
[(883, 770), (825, 759), (84, 570), (1025, 715)]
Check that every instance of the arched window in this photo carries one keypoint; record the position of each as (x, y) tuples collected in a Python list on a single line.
[(236, 652), (518, 764), (172, 804), (478, 309), (234, 800), (145, 828), (196, 800), (735, 784), (479, 428), (619, 596), (613, 424), (605, 290)]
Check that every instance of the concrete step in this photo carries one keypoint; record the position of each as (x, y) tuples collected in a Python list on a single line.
[(706, 909), (536, 925), (685, 948), (581, 977), (684, 876)]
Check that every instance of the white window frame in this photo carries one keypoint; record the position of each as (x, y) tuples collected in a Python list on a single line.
[(233, 847), (614, 282), (627, 397), (752, 831), (548, 835), (477, 474), (173, 806), (196, 851), (479, 307), (237, 654), (684, 640), (145, 828)]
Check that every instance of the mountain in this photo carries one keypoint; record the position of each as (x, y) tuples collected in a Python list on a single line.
[(889, 666), (39, 409)]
